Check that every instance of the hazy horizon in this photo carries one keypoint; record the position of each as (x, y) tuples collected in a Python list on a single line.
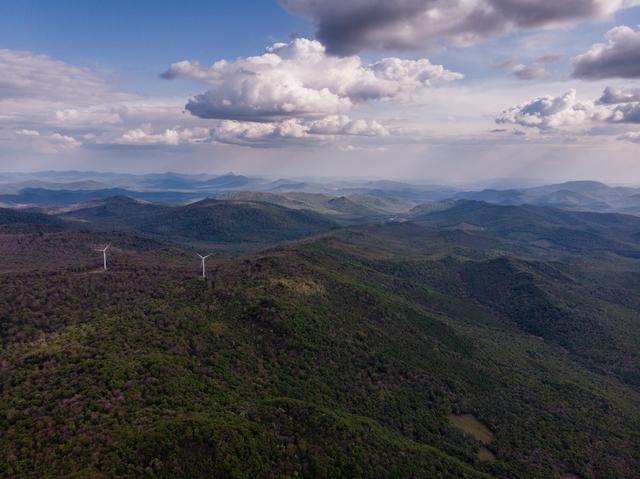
[(492, 183)]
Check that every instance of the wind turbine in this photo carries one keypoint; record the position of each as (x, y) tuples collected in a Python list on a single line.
[(204, 273), (104, 255)]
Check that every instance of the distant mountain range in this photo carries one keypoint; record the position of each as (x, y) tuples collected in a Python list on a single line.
[(573, 195), (69, 188)]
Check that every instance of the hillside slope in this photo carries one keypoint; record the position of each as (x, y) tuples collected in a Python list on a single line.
[(353, 209), (14, 220), (213, 221)]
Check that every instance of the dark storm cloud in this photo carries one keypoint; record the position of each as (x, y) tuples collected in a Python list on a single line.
[(536, 13), (620, 58), (347, 27)]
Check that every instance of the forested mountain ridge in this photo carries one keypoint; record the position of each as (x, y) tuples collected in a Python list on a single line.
[(211, 220), (340, 355), (12, 219)]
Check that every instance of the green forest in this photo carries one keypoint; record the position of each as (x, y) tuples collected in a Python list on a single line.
[(350, 353)]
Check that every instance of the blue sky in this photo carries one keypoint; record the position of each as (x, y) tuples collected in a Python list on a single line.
[(120, 33), (448, 97), (138, 39)]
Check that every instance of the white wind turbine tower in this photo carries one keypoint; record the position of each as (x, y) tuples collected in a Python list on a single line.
[(204, 273), (104, 255)]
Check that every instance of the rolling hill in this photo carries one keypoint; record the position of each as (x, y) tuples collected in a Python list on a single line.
[(235, 221), (115, 212), (61, 197), (533, 225), (212, 221), (345, 209), (13, 220)]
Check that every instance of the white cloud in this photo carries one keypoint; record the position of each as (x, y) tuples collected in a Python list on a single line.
[(343, 125), (48, 106), (25, 132), (632, 136), (274, 133), (169, 137), (64, 140), (552, 113), (26, 75), (620, 58), (612, 96), (25, 140), (299, 80), (255, 133)]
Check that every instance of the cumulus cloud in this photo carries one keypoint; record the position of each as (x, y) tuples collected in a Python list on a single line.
[(343, 125), (624, 104), (620, 58), (612, 96), (26, 132), (626, 113), (249, 133), (255, 133), (299, 80), (65, 141), (347, 27), (170, 137), (272, 133), (550, 113), (632, 136)]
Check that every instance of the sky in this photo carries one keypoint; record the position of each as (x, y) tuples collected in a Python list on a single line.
[(430, 90)]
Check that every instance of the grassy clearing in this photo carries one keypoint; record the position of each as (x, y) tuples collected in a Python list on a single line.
[(469, 424)]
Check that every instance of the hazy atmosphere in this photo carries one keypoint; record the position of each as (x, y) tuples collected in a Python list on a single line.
[(407, 89)]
